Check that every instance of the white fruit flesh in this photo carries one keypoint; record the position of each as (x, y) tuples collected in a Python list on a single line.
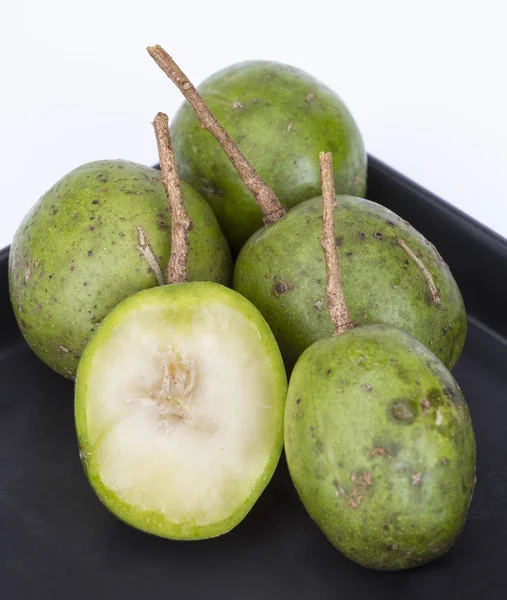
[(182, 409)]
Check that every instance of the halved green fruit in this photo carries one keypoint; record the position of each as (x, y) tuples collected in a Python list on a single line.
[(179, 409)]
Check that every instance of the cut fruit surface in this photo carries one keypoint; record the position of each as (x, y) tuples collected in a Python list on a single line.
[(179, 409)]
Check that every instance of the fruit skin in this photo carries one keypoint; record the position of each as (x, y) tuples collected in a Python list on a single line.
[(75, 255), (281, 118), (183, 295), (390, 493), (282, 271)]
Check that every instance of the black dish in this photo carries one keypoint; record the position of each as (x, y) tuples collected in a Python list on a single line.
[(58, 542)]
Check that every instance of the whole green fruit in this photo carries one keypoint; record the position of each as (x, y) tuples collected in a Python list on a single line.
[(380, 446), (282, 271), (179, 409), (281, 118), (79, 252)]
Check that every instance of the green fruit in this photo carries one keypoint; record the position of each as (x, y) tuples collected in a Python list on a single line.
[(179, 408), (77, 253), (282, 271), (380, 446), (281, 118)]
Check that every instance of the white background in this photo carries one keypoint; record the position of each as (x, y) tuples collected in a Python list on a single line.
[(425, 80)]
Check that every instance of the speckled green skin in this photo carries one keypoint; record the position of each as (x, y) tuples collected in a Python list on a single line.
[(281, 118), (75, 255), (380, 447), (281, 270)]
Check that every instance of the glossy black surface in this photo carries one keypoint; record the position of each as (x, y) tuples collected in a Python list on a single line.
[(58, 542)]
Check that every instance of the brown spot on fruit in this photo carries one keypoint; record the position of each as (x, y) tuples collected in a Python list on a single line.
[(380, 451), (281, 287), (415, 479), (310, 97), (378, 235), (368, 479), (426, 405), (91, 228), (339, 488)]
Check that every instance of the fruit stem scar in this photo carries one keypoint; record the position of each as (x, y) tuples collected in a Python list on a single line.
[(338, 310), (145, 248), (267, 200), (181, 223), (427, 275)]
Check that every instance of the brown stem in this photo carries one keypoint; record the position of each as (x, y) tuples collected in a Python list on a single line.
[(338, 311), (427, 275), (180, 221), (269, 204)]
